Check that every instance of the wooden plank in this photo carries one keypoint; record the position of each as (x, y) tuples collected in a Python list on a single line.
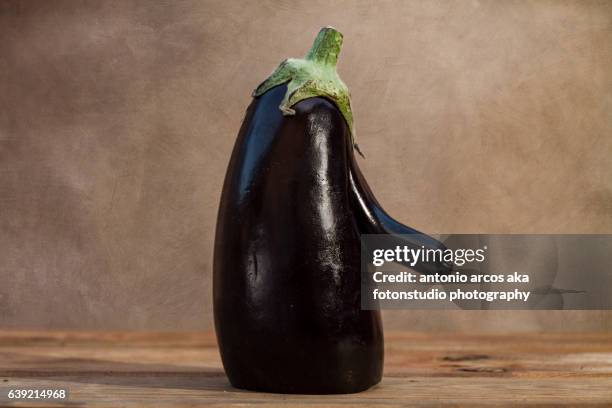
[(184, 369)]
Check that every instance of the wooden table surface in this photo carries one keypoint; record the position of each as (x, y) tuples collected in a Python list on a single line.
[(184, 369)]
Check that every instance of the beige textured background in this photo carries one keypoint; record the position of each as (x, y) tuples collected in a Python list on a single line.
[(117, 119)]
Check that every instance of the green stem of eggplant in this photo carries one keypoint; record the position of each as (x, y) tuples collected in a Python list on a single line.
[(326, 47), (313, 76)]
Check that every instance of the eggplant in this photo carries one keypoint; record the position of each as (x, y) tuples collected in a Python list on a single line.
[(287, 272)]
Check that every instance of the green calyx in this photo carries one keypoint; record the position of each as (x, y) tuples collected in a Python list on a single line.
[(313, 76)]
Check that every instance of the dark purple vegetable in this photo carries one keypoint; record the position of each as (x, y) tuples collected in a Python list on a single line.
[(287, 252)]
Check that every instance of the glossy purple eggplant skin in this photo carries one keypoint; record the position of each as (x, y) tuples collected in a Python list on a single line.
[(287, 255)]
